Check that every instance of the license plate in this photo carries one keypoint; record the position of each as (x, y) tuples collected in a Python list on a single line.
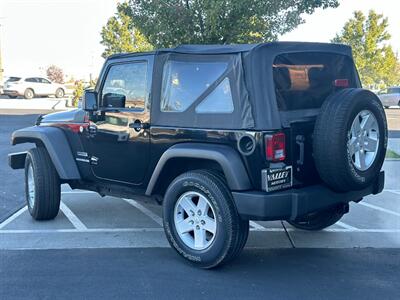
[(277, 179)]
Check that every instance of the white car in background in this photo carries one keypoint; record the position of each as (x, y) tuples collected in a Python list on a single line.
[(390, 96), (29, 87)]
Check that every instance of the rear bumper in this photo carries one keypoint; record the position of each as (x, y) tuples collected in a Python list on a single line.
[(11, 92), (293, 203)]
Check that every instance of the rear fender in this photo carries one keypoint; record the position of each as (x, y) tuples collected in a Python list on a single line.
[(228, 159)]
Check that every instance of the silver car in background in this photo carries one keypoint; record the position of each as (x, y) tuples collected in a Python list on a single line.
[(29, 87), (390, 96)]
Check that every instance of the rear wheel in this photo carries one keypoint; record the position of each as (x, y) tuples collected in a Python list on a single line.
[(29, 94), (42, 185), (200, 220), (318, 220)]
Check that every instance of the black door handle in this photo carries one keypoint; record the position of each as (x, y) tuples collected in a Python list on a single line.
[(137, 125)]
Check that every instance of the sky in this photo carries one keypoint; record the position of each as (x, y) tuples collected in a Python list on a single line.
[(37, 33)]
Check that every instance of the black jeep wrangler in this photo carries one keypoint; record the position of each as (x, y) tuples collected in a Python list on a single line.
[(219, 135)]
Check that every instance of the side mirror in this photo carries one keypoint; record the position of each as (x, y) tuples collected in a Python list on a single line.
[(89, 100), (114, 100)]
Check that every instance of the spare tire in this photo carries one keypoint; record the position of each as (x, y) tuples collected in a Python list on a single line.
[(350, 139)]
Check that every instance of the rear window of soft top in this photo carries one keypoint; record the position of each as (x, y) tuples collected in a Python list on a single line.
[(303, 80)]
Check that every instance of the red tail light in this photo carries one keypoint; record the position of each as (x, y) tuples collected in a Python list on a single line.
[(275, 147), (341, 83)]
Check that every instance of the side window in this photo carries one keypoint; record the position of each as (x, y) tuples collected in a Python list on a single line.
[(30, 80), (126, 86), (43, 80), (219, 101), (184, 82)]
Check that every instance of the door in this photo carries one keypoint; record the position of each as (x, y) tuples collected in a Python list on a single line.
[(44, 86), (119, 134)]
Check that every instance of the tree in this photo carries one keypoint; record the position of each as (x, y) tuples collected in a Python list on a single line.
[(120, 35), (55, 74), (375, 59), (169, 23)]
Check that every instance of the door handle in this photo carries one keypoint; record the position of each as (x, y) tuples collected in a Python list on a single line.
[(137, 125)]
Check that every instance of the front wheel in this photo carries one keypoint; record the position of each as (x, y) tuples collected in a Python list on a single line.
[(29, 94), (42, 185), (200, 220), (59, 93)]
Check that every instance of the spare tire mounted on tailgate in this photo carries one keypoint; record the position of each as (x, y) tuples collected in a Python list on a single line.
[(350, 139)]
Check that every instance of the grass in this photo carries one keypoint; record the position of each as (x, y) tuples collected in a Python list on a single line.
[(392, 154)]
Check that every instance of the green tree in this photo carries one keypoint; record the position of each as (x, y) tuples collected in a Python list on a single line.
[(120, 35), (167, 23), (375, 59)]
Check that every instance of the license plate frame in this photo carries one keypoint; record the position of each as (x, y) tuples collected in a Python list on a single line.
[(275, 179)]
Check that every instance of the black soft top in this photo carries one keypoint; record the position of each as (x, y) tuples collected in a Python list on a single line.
[(272, 48), (252, 71)]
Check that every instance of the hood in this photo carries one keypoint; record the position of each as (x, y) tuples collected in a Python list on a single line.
[(71, 116)]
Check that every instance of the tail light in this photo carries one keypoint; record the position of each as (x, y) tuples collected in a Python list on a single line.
[(344, 83), (275, 147)]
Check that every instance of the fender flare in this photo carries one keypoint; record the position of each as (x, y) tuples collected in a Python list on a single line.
[(228, 158), (56, 145)]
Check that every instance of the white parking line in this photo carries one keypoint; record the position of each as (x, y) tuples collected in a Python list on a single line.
[(72, 217), (346, 226), (380, 209), (256, 226), (78, 192), (88, 230), (393, 191), (152, 229), (145, 210), (13, 217)]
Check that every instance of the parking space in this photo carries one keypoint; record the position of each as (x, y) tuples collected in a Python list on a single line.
[(87, 220)]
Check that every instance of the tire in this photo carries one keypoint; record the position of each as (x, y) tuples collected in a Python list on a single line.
[(59, 93), (348, 151), (317, 220), (42, 185), (29, 94), (12, 97), (230, 231)]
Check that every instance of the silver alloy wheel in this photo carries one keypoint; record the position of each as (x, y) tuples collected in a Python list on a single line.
[(363, 140), (195, 220), (31, 186)]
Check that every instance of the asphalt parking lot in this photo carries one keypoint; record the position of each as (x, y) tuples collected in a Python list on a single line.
[(102, 247)]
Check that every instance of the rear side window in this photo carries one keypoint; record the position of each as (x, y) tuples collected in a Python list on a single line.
[(183, 82), (219, 101), (304, 80), (13, 79)]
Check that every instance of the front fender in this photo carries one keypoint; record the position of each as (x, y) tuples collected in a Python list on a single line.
[(229, 160), (56, 144)]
